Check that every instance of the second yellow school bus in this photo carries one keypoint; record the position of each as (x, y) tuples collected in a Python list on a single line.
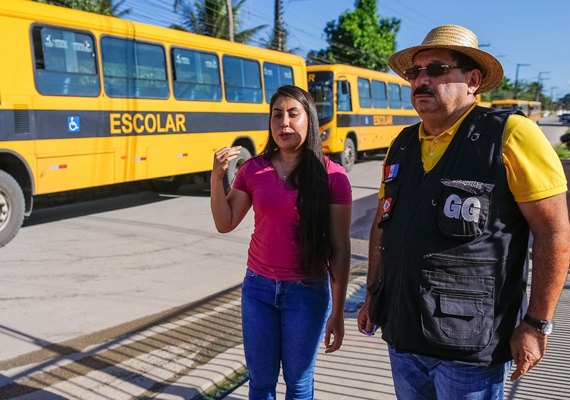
[(532, 109), (88, 100), (360, 110)]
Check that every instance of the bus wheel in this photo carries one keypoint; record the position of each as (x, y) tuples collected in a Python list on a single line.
[(348, 157), (169, 184), (230, 175), (12, 207)]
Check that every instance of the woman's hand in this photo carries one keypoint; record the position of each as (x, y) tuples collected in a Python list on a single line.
[(222, 159), (334, 330)]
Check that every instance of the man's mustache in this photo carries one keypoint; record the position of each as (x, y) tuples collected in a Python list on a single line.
[(424, 90)]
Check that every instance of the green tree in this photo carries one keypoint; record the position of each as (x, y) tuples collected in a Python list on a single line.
[(105, 7), (210, 18), (527, 91), (547, 103), (503, 91), (359, 37)]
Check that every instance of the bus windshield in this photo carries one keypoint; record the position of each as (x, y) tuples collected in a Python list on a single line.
[(321, 88)]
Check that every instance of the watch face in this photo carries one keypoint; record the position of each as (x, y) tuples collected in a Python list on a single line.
[(547, 328)]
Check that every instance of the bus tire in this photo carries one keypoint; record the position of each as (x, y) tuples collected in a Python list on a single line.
[(169, 184), (12, 206), (235, 164), (348, 157)]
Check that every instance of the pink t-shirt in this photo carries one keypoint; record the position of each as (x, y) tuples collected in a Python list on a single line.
[(274, 251)]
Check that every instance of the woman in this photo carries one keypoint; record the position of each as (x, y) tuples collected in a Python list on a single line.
[(302, 207)]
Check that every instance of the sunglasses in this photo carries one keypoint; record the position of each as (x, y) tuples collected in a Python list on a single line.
[(431, 70)]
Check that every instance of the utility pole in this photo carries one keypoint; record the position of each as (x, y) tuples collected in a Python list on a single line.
[(230, 20), (515, 92), (538, 85), (278, 42), (552, 92)]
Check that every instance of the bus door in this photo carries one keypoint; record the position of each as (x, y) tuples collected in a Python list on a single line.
[(322, 90), (344, 101), (133, 71)]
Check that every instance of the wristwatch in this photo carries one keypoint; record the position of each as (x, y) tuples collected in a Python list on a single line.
[(544, 327)]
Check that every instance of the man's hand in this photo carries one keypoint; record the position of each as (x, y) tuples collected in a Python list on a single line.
[(527, 349), (365, 326)]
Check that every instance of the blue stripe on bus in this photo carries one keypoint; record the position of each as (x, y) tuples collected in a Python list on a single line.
[(348, 120), (57, 124)]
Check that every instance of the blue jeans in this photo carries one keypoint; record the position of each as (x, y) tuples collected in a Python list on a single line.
[(419, 377), (283, 324)]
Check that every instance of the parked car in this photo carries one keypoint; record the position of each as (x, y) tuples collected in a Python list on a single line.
[(564, 118)]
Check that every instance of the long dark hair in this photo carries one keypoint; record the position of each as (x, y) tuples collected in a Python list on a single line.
[(311, 180)]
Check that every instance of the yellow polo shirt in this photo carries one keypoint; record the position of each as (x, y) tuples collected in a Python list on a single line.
[(534, 170)]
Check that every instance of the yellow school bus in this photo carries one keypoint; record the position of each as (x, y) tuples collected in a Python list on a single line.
[(532, 109), (88, 100), (360, 110)]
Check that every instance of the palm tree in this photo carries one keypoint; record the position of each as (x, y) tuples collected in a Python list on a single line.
[(277, 39), (210, 18), (105, 7), (279, 33)]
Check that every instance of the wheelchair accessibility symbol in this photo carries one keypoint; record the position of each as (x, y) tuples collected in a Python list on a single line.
[(73, 124)]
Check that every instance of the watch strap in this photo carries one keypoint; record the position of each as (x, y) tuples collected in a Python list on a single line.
[(537, 324)]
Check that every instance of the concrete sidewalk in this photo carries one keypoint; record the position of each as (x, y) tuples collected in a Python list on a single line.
[(361, 368)]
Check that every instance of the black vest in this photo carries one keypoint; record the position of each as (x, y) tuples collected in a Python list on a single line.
[(454, 247)]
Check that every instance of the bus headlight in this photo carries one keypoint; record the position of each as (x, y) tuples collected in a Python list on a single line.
[(325, 135)]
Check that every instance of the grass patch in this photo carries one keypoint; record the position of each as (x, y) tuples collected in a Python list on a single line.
[(228, 385), (562, 151)]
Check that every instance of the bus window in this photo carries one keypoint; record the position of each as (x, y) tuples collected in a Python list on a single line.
[(394, 95), (65, 62), (344, 100), (379, 94), (407, 97), (242, 80), (275, 76), (196, 75), (133, 69), (321, 88), (364, 97)]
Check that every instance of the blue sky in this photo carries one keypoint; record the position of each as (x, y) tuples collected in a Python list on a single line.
[(516, 32)]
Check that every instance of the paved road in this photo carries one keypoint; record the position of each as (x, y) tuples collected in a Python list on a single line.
[(553, 129), (87, 267)]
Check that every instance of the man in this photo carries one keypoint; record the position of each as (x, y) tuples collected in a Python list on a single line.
[(449, 242)]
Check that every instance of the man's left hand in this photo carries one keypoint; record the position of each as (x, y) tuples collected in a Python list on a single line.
[(527, 349)]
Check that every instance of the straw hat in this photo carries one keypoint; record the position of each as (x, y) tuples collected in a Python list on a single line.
[(452, 37)]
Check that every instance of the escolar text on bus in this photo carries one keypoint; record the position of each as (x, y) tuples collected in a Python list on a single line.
[(129, 123), (383, 120)]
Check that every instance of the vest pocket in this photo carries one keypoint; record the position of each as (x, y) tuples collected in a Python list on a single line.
[(456, 310), (463, 208)]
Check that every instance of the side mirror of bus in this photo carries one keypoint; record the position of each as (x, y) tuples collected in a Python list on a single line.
[(344, 87)]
